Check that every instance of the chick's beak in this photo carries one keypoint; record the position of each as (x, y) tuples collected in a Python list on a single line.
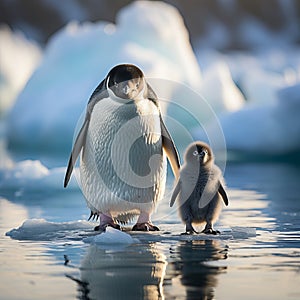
[(202, 154)]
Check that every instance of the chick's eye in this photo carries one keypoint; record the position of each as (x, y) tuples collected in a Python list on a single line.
[(195, 153), (204, 152), (137, 85)]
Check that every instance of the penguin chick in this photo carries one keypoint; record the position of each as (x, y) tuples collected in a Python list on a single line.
[(123, 144), (199, 189)]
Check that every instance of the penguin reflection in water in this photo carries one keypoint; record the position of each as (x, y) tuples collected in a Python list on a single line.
[(123, 144), (199, 189)]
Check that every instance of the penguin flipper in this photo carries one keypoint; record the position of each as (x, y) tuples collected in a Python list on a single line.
[(170, 148), (167, 141), (80, 141), (223, 194), (99, 93), (175, 193)]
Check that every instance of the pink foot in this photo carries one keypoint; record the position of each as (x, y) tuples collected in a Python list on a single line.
[(146, 226), (105, 221), (144, 223)]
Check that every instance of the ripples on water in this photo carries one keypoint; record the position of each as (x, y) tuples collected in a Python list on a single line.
[(267, 266)]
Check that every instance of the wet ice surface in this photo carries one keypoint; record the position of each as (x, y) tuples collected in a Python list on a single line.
[(49, 253), (42, 230)]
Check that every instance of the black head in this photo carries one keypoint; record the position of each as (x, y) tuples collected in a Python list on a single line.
[(198, 152), (126, 81)]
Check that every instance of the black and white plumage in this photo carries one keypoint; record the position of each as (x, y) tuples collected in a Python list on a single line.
[(123, 144), (199, 189)]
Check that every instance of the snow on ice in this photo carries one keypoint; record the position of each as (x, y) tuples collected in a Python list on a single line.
[(111, 236)]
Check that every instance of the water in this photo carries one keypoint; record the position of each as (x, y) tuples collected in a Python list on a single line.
[(264, 196)]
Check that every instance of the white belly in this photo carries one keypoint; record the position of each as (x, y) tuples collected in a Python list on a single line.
[(123, 167)]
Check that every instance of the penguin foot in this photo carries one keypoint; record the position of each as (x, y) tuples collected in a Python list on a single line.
[(146, 226), (211, 231), (106, 220), (189, 229), (190, 232), (102, 227)]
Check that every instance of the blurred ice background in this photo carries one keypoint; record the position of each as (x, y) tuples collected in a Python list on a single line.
[(235, 54), (230, 65)]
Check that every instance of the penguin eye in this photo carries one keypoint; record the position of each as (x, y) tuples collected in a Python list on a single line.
[(137, 85), (195, 153)]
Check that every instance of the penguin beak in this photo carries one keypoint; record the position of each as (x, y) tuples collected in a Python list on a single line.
[(198, 157), (201, 156), (129, 89)]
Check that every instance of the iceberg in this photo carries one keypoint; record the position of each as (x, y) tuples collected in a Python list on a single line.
[(219, 89), (32, 174), (267, 129), (25, 55), (266, 123), (248, 100), (79, 56)]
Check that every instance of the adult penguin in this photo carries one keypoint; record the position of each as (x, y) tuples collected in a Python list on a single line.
[(123, 144)]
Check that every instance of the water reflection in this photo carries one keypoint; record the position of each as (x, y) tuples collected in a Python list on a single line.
[(264, 196), (27, 271), (280, 183), (197, 264), (140, 272), (136, 272)]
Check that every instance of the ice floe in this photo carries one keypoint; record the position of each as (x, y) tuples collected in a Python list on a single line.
[(42, 230)]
